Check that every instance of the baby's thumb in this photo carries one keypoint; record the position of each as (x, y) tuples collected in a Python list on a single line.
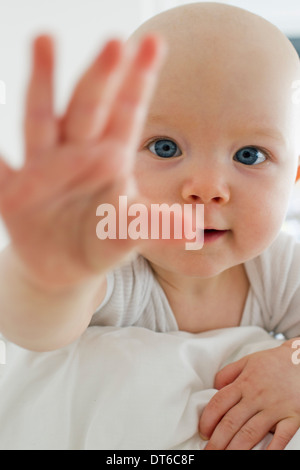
[(229, 373), (6, 172)]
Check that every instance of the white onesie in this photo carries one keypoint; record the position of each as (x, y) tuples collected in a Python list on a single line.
[(135, 298)]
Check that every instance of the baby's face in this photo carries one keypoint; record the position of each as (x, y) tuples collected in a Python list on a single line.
[(222, 131)]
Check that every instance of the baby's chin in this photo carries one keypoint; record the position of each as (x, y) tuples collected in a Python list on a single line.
[(187, 263), (212, 259)]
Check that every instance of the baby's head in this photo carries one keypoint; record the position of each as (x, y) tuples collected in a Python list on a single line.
[(222, 130)]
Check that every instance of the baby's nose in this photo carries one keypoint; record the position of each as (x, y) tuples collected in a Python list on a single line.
[(205, 187)]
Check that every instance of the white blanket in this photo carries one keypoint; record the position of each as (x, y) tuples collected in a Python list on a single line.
[(117, 389)]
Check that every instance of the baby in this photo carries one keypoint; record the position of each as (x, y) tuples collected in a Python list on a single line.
[(208, 120)]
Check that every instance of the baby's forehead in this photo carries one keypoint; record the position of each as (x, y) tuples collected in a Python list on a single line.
[(209, 37), (222, 57)]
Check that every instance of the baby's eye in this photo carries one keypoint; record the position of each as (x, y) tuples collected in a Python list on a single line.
[(164, 148), (250, 156)]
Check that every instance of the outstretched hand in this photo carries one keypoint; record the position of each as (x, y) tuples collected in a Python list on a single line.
[(76, 161)]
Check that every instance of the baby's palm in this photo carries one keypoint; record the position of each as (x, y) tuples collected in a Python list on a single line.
[(74, 163)]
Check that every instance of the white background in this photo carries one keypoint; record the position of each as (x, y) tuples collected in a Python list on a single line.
[(80, 27)]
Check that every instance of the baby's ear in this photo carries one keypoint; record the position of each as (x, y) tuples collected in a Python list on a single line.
[(298, 172)]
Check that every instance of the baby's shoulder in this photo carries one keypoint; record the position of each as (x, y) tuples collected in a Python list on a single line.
[(285, 249), (279, 260)]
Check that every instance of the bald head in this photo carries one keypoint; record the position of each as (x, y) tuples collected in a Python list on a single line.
[(218, 28), (224, 58)]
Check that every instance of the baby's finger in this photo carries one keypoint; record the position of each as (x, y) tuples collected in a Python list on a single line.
[(40, 125), (218, 406), (229, 373), (231, 424), (6, 172), (91, 101), (6, 182), (285, 431), (131, 105), (252, 432)]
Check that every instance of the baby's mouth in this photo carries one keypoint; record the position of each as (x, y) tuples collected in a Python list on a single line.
[(211, 234)]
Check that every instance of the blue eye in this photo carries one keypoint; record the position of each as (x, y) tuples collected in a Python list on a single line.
[(164, 148), (250, 156)]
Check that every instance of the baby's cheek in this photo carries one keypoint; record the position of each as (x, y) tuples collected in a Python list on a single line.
[(263, 224)]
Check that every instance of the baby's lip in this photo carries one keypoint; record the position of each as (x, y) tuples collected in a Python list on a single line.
[(211, 234), (215, 229)]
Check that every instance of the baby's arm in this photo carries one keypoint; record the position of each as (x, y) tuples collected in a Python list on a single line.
[(257, 394), (43, 319), (52, 275)]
